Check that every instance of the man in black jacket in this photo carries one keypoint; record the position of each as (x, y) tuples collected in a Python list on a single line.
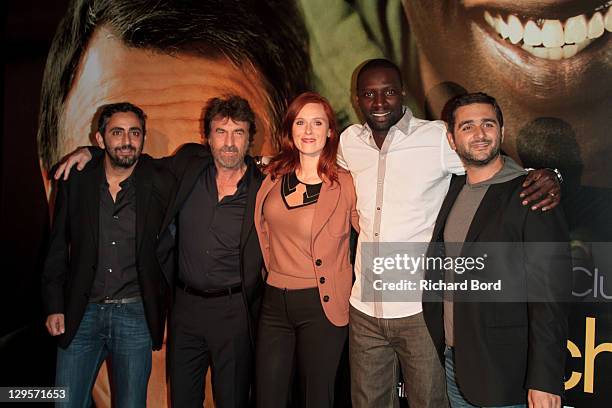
[(209, 234), (505, 345), (209, 251), (103, 288)]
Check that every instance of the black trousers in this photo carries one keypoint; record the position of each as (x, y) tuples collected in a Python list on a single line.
[(209, 332), (296, 339)]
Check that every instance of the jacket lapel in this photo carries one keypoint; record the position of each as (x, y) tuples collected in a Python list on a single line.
[(92, 195), (489, 206), (326, 204), (189, 178), (254, 183), (143, 194), (457, 183)]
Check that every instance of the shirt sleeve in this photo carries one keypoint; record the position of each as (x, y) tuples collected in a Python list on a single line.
[(340, 155), (451, 163)]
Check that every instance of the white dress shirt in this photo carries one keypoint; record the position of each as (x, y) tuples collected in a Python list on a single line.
[(400, 189)]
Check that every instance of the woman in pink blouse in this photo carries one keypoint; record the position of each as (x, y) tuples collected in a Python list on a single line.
[(303, 215)]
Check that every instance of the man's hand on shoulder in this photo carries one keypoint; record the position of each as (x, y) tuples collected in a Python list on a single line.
[(541, 187), (55, 324), (80, 157), (541, 399)]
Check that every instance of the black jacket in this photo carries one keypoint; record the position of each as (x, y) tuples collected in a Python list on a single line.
[(187, 165), (72, 257), (503, 349)]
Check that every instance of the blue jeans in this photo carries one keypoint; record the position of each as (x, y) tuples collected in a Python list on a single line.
[(116, 330), (455, 398)]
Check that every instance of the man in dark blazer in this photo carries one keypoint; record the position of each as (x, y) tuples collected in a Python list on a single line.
[(104, 291), (210, 251), (507, 348)]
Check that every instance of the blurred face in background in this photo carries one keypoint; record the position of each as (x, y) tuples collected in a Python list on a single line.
[(547, 62), (172, 89)]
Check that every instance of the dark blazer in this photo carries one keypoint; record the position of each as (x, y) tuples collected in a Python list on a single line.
[(187, 165), (72, 257), (503, 349)]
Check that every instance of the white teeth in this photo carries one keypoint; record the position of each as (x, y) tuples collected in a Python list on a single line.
[(515, 29), (553, 39), (608, 20), (569, 50), (576, 29), (489, 18), (533, 34), (552, 33), (596, 26), (555, 53), (582, 45), (502, 28), (540, 52)]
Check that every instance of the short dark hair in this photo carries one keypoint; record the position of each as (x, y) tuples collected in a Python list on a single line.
[(109, 110), (448, 113), (233, 107), (268, 34), (378, 63)]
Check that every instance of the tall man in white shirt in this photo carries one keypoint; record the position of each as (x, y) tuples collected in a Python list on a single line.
[(401, 167)]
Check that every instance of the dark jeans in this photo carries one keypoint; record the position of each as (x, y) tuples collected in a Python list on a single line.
[(210, 332), (295, 335), (119, 331), (455, 397), (377, 349)]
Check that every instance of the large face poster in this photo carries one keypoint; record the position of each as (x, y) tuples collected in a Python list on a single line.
[(548, 63)]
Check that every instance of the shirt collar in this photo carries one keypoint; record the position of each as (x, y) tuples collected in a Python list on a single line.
[(128, 182), (244, 181)]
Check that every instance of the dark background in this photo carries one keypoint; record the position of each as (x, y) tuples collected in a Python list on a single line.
[(27, 353)]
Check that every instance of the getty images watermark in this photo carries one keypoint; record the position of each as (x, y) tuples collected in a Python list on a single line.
[(469, 272)]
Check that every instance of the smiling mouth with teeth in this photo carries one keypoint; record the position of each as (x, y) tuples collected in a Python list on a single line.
[(553, 39)]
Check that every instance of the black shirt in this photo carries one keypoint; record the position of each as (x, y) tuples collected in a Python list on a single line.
[(116, 275), (209, 233)]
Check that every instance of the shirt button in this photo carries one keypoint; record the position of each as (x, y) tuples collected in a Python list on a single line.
[(326, 298), (116, 217), (318, 262), (322, 279), (113, 243), (376, 234), (110, 270), (378, 208)]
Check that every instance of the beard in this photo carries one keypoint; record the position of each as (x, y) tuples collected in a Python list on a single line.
[(472, 159), (229, 162), (123, 161)]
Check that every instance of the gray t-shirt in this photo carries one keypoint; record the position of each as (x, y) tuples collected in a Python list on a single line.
[(458, 223)]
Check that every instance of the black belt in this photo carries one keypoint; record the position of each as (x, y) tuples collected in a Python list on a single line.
[(209, 293), (121, 301)]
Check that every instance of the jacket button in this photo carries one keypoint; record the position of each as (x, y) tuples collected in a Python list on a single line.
[(318, 262), (326, 298), (322, 279)]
